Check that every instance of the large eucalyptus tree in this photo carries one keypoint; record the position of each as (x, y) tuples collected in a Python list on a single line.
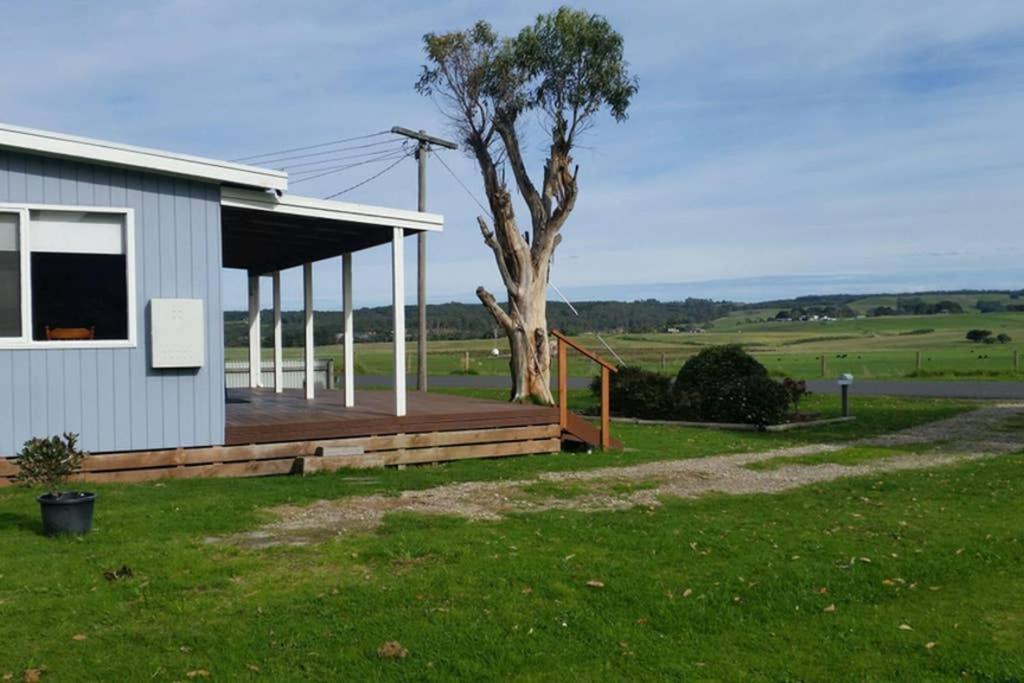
[(563, 70)]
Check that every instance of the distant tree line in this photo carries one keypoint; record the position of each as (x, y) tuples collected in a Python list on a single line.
[(917, 306), (472, 321)]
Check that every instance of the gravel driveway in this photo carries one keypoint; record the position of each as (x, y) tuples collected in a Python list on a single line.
[(986, 432)]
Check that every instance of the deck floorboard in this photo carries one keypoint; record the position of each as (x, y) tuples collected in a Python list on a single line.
[(263, 416)]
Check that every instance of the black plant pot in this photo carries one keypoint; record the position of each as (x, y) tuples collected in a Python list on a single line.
[(67, 513)]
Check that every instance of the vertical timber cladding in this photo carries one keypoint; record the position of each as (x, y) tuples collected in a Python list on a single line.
[(111, 396)]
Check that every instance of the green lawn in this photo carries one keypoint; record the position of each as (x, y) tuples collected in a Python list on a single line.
[(880, 348), (722, 588)]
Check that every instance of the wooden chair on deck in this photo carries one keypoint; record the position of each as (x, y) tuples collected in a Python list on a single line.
[(70, 333)]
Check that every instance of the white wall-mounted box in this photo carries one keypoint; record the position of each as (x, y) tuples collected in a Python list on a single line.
[(177, 333)]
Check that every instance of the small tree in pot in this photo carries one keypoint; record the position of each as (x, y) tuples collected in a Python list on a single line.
[(48, 463)]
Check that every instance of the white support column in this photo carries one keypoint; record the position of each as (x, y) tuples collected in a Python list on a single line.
[(398, 305), (307, 292), (254, 332), (347, 341), (278, 352)]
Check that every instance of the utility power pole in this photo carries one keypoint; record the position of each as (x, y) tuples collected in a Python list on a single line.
[(423, 148)]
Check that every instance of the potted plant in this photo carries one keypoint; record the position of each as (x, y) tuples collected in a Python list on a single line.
[(49, 463)]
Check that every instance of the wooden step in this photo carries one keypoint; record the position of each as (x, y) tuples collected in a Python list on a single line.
[(580, 430)]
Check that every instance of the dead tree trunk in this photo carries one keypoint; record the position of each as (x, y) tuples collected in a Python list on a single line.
[(524, 266)]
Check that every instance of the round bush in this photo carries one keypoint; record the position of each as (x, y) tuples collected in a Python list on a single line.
[(704, 376), (755, 399), (635, 392)]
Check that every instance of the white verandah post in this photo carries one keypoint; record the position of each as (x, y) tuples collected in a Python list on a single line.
[(278, 352), (307, 291), (348, 359), (398, 306), (254, 332)]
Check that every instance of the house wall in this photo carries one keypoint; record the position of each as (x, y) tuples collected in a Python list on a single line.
[(112, 397)]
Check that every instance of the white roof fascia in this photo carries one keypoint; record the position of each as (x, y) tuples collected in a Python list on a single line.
[(295, 205), (70, 146)]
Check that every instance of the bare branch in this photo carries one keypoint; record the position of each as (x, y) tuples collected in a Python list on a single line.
[(499, 254), (489, 302)]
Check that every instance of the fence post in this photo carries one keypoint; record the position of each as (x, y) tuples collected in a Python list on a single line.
[(662, 360), (606, 429), (917, 362), (1016, 359), (563, 384), (465, 362), (824, 370), (330, 374)]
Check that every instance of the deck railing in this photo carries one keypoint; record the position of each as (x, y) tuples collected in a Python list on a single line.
[(564, 344)]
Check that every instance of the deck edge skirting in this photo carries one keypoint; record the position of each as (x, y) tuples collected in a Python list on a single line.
[(253, 460)]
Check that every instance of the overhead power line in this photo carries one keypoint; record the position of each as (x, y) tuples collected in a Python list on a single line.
[(312, 174), (318, 145), (326, 152), (465, 187), (395, 147), (373, 177)]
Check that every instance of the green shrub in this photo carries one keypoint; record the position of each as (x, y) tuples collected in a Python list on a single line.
[(1003, 338), (978, 335), (704, 376), (754, 399), (636, 392), (49, 462)]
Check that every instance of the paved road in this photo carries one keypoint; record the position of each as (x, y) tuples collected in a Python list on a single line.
[(864, 387), (927, 388)]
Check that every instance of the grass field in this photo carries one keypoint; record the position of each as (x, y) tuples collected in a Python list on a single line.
[(878, 348), (910, 576)]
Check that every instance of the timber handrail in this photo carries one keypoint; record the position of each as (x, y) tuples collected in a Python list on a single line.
[(564, 344)]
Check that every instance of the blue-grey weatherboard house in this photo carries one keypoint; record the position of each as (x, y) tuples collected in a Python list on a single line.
[(111, 311)]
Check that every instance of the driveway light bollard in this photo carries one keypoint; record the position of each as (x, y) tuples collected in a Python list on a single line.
[(845, 381)]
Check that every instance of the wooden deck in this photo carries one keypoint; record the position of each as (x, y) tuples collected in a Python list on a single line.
[(273, 434), (262, 416)]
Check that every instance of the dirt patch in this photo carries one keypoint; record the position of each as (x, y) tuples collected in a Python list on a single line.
[(966, 437)]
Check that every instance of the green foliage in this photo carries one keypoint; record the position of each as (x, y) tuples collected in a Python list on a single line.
[(705, 375), (726, 384), (754, 399), (1003, 338), (797, 389), (49, 462), (636, 392), (568, 65), (978, 335)]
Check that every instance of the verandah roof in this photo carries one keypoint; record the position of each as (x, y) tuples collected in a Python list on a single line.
[(264, 232)]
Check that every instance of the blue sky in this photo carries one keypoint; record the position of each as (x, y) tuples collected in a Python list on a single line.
[(774, 148)]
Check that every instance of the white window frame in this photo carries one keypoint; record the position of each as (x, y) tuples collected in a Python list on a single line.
[(25, 245)]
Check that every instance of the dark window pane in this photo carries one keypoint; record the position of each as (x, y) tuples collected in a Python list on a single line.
[(80, 291)]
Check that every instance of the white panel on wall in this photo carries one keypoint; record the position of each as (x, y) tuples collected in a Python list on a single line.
[(177, 329), (76, 232)]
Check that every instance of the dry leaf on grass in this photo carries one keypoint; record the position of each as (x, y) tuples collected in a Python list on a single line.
[(198, 673), (392, 650), (688, 592), (32, 675), (594, 583), (929, 645), (253, 668), (79, 637), (830, 608), (906, 627)]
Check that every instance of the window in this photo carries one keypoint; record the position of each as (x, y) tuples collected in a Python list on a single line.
[(66, 277), (10, 275)]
